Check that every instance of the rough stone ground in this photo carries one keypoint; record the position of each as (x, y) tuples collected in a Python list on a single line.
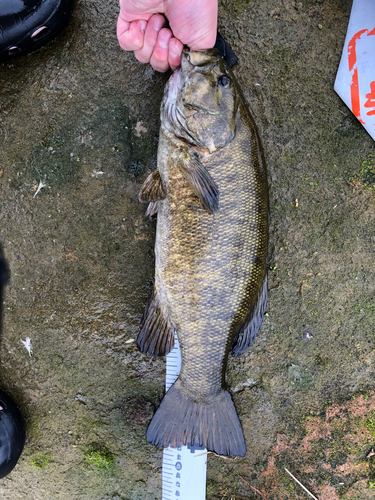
[(82, 116)]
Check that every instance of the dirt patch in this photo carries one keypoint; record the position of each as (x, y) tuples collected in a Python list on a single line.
[(330, 454)]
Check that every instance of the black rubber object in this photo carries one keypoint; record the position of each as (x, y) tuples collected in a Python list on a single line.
[(3, 277), (226, 52), (12, 434), (19, 19)]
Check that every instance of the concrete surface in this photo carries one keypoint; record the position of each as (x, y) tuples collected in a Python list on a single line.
[(81, 116)]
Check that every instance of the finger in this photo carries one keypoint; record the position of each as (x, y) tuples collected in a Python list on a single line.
[(159, 58), (207, 41), (154, 25), (132, 37), (122, 27), (194, 22), (174, 53)]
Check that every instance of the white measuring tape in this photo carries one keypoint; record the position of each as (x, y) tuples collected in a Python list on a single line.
[(184, 468)]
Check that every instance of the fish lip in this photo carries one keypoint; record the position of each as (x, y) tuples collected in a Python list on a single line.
[(186, 64), (185, 54), (198, 58), (174, 86)]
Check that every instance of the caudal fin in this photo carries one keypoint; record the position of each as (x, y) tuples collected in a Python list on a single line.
[(212, 423)]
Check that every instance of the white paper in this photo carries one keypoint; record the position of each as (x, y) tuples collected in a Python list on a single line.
[(355, 81)]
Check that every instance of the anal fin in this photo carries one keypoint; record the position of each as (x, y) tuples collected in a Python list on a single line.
[(156, 333), (152, 209)]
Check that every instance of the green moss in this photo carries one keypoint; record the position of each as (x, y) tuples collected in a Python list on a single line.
[(239, 5), (100, 459), (370, 423), (41, 461), (366, 176), (368, 172)]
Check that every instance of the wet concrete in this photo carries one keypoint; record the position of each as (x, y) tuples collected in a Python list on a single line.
[(81, 117)]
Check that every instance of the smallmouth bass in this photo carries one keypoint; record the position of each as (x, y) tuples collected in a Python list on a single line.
[(211, 196)]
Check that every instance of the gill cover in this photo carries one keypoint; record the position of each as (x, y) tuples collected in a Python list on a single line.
[(202, 101)]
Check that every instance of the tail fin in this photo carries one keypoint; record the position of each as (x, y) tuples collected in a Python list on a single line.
[(212, 423)]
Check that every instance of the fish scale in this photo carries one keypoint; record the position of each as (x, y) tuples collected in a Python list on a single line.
[(210, 251)]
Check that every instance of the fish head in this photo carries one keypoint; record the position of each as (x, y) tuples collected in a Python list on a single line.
[(201, 100)]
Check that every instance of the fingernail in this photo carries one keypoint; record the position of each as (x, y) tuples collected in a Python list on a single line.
[(143, 25), (174, 50), (163, 39), (158, 23)]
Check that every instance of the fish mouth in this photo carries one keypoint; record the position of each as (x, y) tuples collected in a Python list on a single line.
[(198, 57)]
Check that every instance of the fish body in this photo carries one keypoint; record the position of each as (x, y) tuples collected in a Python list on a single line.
[(211, 196)]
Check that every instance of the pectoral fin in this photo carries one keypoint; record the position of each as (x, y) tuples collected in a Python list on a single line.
[(152, 189), (201, 183)]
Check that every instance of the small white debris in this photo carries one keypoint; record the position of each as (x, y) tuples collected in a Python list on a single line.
[(140, 129), (41, 185), (95, 173), (81, 398), (250, 382), (303, 487), (307, 334), (257, 84), (27, 344), (129, 341)]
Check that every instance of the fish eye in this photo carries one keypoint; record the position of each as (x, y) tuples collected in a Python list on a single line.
[(224, 81)]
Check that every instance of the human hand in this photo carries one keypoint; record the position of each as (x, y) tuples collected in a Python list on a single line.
[(141, 28)]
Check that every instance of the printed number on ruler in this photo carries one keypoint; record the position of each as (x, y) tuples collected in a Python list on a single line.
[(184, 473)]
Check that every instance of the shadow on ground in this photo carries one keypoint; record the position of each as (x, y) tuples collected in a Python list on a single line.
[(79, 119)]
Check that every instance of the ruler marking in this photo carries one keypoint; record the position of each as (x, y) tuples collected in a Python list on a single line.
[(185, 471)]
